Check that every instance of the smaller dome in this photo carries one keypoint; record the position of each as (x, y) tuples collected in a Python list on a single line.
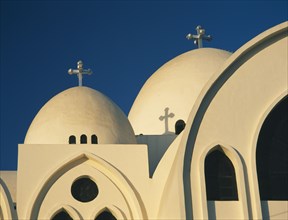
[(170, 93), (80, 111)]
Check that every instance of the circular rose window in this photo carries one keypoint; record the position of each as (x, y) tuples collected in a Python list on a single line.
[(84, 189)]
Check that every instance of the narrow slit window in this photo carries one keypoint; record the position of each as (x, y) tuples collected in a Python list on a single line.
[(72, 139), (94, 139), (83, 139)]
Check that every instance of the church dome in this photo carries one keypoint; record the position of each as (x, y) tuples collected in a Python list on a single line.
[(80, 111), (169, 94)]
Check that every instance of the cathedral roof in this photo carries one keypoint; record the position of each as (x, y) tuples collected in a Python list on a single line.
[(77, 111), (169, 94)]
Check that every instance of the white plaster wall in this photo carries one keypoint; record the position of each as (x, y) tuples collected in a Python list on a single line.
[(38, 163)]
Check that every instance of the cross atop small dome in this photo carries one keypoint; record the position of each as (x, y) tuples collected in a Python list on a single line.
[(199, 37), (80, 71)]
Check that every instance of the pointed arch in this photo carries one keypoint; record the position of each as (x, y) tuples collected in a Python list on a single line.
[(114, 210), (62, 215), (63, 212), (105, 215), (134, 202), (235, 159), (220, 177)]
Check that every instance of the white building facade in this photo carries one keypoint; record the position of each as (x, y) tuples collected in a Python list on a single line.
[(206, 138)]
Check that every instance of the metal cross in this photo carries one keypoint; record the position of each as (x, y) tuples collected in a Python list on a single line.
[(165, 117), (80, 71), (199, 37)]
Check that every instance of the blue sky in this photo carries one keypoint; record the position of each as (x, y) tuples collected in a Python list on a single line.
[(123, 42)]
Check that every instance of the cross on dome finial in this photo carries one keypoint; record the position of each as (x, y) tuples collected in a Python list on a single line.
[(80, 71), (199, 37)]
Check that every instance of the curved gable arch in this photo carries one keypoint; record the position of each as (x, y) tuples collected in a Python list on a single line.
[(133, 201), (7, 210), (208, 94)]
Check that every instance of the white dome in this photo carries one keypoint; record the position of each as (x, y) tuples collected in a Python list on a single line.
[(77, 111), (174, 87)]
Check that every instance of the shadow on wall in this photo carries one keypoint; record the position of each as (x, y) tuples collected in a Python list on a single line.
[(165, 118)]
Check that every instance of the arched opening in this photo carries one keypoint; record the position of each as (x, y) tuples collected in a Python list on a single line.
[(83, 139), (105, 215), (62, 215), (220, 177), (272, 154), (94, 139), (179, 126), (72, 139)]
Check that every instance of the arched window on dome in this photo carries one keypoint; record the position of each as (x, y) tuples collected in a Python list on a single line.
[(62, 215), (94, 139), (220, 177), (83, 139), (105, 215), (72, 139), (179, 126), (272, 154)]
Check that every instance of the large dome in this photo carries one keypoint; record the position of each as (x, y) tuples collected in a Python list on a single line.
[(77, 111), (169, 94)]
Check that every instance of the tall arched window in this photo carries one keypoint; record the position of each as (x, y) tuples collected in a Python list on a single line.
[(83, 139), (72, 139), (105, 215), (272, 154), (220, 177), (94, 139), (179, 126), (62, 215)]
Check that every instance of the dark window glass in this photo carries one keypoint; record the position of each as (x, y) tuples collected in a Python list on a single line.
[(272, 154), (83, 139), (72, 139), (63, 215), (94, 139), (220, 177), (84, 189), (105, 215), (179, 126)]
